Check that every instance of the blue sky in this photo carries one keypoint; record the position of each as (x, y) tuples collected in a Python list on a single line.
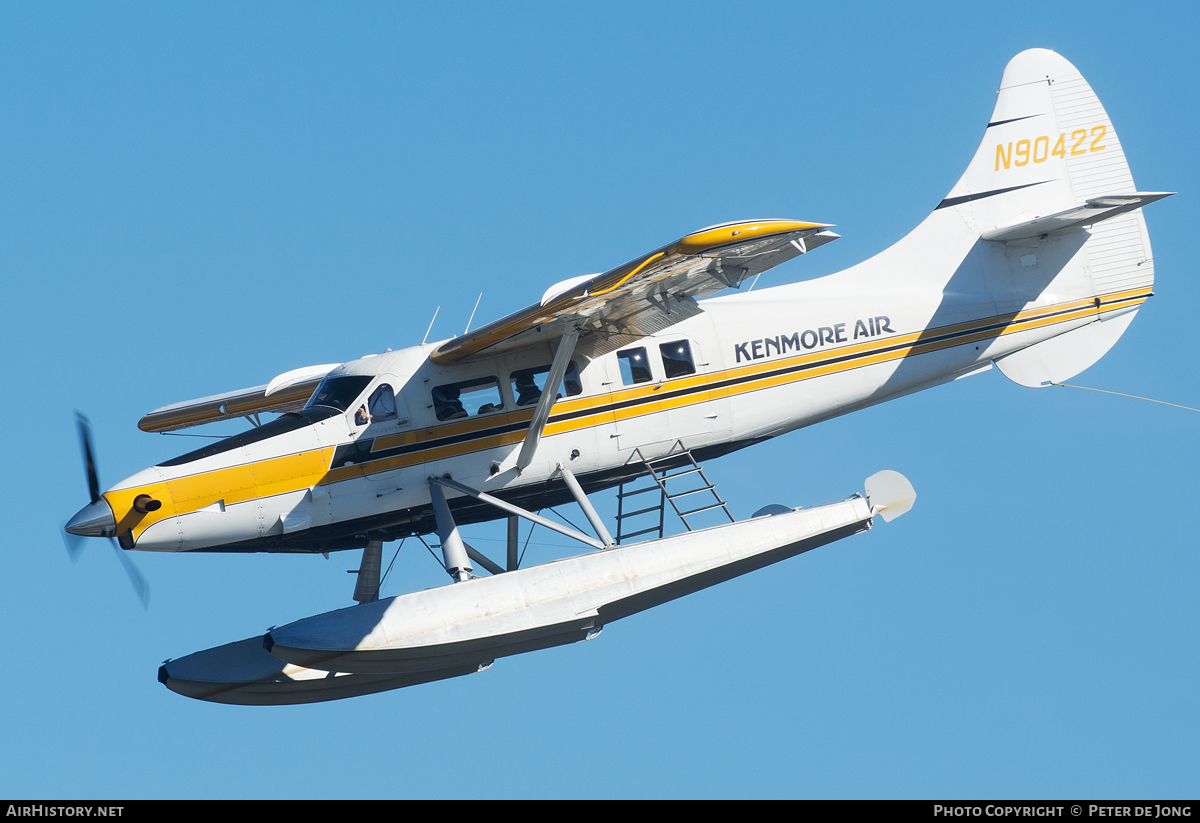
[(197, 198)]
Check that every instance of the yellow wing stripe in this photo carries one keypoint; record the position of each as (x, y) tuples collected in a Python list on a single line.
[(624, 279)]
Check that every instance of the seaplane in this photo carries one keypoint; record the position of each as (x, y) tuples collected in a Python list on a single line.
[(1034, 263)]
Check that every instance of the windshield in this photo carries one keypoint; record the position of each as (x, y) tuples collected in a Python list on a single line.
[(338, 392)]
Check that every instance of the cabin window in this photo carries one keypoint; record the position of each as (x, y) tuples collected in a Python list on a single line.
[(635, 366), (527, 384), (677, 359), (338, 392), (456, 401)]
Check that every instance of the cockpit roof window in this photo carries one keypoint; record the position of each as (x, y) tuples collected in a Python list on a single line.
[(338, 392)]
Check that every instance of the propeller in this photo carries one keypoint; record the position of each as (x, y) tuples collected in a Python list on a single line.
[(89, 461), (96, 520)]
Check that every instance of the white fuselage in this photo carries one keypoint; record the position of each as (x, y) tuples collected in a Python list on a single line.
[(762, 363)]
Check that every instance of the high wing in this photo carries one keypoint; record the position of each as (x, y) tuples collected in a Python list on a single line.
[(287, 392), (645, 295), (606, 311)]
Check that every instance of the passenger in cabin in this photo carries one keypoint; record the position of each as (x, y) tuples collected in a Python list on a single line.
[(361, 417), (446, 404), (527, 390), (571, 381)]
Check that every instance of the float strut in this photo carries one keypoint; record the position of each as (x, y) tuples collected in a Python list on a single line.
[(513, 559), (509, 508), (366, 590), (454, 553), (482, 559), (586, 505)]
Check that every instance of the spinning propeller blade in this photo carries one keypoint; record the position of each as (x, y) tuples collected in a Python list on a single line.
[(74, 544), (89, 461), (140, 586), (95, 519)]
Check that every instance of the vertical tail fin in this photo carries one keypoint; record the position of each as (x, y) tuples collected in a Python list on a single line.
[(1050, 147), (1046, 214), (1051, 164)]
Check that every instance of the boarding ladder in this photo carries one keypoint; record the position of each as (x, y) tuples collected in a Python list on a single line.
[(672, 468)]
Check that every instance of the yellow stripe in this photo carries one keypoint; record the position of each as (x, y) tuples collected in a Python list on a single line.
[(235, 484)]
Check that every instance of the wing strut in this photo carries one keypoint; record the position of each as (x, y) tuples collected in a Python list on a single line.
[(566, 347)]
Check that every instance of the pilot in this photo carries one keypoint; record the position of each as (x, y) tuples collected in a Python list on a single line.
[(383, 403)]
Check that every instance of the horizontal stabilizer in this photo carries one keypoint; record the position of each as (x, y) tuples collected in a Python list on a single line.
[(1094, 210)]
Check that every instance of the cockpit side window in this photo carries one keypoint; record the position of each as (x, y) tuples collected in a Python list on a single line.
[(528, 384), (338, 392), (635, 366), (382, 405), (455, 401), (677, 359)]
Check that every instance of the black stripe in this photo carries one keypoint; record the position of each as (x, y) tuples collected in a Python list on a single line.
[(1011, 120), (967, 198), (360, 452)]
